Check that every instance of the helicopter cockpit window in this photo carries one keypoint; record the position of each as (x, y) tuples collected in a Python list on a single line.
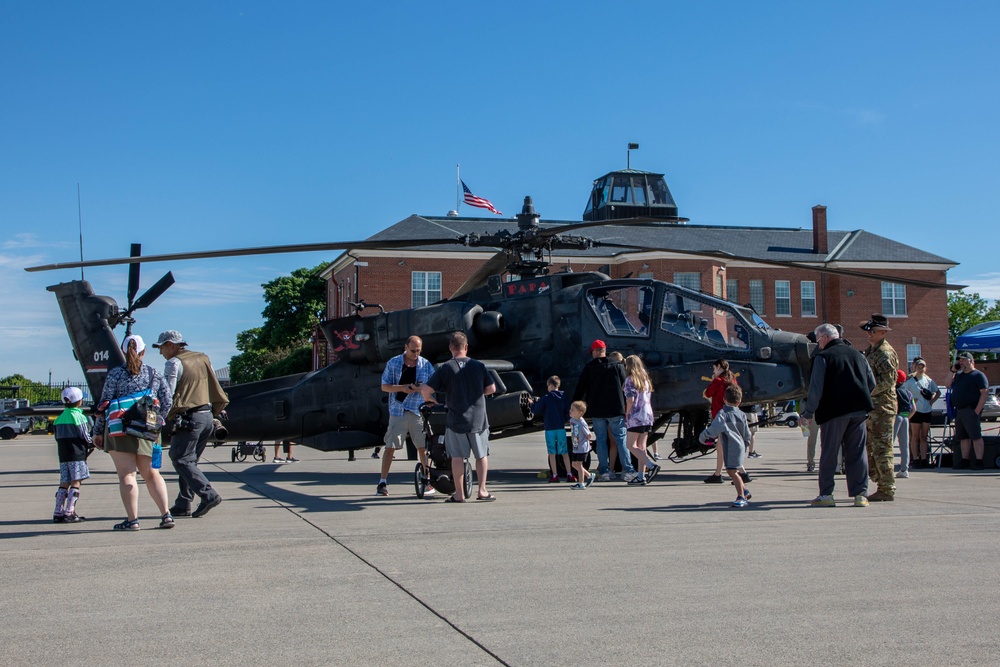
[(622, 311), (716, 327)]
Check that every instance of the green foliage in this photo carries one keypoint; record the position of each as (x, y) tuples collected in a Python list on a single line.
[(298, 361), (280, 346), (966, 310)]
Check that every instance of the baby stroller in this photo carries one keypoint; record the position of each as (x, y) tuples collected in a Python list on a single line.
[(438, 473), (244, 449)]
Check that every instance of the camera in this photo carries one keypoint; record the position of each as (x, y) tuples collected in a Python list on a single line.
[(182, 423)]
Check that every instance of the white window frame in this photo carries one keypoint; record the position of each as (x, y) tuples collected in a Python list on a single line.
[(807, 293), (912, 352), (782, 298), (893, 299), (759, 303), (421, 290)]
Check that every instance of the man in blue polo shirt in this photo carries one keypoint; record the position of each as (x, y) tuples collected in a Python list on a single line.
[(402, 378)]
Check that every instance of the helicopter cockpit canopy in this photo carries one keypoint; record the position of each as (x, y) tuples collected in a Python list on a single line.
[(627, 310), (714, 323)]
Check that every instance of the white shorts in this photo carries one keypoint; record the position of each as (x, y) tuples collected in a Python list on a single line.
[(460, 445), (409, 423)]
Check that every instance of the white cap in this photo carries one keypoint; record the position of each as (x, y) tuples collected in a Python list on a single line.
[(140, 345), (71, 395)]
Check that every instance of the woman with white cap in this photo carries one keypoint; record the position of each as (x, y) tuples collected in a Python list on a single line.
[(131, 454)]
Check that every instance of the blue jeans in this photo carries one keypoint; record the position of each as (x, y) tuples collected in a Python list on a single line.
[(616, 425)]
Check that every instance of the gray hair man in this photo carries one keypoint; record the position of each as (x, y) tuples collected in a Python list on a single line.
[(840, 398)]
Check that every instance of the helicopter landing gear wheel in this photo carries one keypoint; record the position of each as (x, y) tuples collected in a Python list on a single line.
[(468, 479), (419, 481)]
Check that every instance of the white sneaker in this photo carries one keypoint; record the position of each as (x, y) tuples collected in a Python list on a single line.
[(903, 474), (277, 460), (604, 477), (429, 491), (629, 476)]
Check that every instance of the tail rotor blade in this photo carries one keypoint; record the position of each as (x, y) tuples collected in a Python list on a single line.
[(154, 292), (133, 274)]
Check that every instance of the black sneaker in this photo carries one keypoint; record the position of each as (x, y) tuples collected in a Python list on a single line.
[(74, 518), (638, 480), (977, 464), (206, 505), (713, 479), (176, 512), (58, 518), (651, 472), (745, 477), (382, 489)]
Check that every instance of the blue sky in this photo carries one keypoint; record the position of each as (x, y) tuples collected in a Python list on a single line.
[(231, 123)]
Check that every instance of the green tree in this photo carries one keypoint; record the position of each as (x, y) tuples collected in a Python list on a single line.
[(281, 345), (966, 310)]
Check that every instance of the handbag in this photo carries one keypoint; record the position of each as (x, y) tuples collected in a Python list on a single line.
[(926, 393), (135, 414)]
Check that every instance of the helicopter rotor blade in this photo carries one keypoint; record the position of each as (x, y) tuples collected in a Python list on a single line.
[(496, 264), (133, 274), (729, 257), (244, 252), (552, 231), (153, 293)]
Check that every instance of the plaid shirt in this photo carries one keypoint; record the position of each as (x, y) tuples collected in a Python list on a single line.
[(393, 371)]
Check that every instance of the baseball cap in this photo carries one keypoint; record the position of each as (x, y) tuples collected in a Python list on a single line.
[(140, 344), (71, 395), (965, 355), (900, 376), (598, 345), (170, 336)]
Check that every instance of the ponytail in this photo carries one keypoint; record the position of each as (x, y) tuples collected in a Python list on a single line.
[(133, 360)]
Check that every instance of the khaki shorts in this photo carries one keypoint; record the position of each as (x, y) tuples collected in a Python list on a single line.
[(409, 423), (128, 444)]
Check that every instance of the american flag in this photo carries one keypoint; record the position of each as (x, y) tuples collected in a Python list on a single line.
[(478, 202)]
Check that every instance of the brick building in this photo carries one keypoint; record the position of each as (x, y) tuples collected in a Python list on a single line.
[(753, 271), (792, 299)]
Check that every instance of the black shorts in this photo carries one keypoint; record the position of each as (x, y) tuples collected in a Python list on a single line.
[(920, 418), (641, 429), (967, 426), (579, 457)]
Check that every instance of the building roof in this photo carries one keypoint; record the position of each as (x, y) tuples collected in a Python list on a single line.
[(769, 243)]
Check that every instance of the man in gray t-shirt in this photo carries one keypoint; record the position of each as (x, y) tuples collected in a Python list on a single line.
[(466, 383)]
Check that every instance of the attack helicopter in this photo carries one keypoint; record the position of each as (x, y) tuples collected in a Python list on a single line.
[(525, 329)]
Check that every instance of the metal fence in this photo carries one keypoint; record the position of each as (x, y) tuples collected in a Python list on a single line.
[(40, 394)]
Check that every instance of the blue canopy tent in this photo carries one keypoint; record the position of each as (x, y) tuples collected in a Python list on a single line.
[(983, 337)]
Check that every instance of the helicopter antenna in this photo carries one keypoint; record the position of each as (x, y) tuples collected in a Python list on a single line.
[(79, 214)]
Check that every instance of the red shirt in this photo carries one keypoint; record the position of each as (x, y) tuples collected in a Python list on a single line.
[(717, 392)]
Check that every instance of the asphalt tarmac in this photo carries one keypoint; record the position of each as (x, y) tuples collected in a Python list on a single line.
[(303, 564)]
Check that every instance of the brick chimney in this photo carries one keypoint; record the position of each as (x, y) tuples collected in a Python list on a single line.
[(820, 246)]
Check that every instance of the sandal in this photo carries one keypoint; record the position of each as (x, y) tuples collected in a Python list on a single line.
[(488, 498), (452, 499), (127, 525), (166, 521)]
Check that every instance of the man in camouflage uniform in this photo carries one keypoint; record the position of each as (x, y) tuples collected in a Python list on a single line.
[(884, 362)]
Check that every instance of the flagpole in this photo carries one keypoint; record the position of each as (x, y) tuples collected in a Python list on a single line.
[(458, 186)]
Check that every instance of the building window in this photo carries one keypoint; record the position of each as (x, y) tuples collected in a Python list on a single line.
[(893, 300), (782, 297), (757, 296), (425, 288), (691, 281), (912, 352), (732, 290), (808, 294)]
